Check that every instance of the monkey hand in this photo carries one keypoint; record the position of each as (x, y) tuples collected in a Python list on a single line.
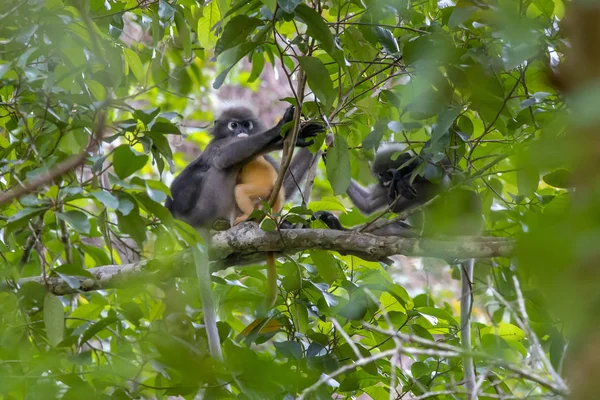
[(328, 219), (288, 116), (401, 186), (307, 131)]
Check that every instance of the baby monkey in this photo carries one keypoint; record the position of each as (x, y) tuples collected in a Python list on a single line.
[(255, 181)]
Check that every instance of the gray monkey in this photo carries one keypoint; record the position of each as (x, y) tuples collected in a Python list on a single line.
[(204, 191)]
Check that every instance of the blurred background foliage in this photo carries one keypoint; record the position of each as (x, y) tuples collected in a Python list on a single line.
[(470, 76)]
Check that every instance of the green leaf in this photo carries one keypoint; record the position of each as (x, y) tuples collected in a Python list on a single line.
[(271, 4), (184, 33), (157, 195), (268, 225), (231, 57), (54, 319), (72, 270), (156, 190), (438, 313), (126, 162), (258, 63), (375, 136), (444, 122), (300, 317), (98, 327), (237, 30), (165, 10), (316, 26), (338, 165), (318, 80), (133, 225), (126, 203), (505, 331), (289, 349), (465, 125), (288, 5), (73, 142), (560, 178), (528, 179), (165, 127), (4, 68), (146, 116), (387, 40), (327, 204), (76, 219), (210, 16), (160, 69), (25, 212), (135, 64), (69, 274), (326, 264), (96, 89), (400, 294), (419, 369), (106, 198)]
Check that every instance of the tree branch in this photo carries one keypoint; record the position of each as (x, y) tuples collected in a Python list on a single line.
[(246, 243)]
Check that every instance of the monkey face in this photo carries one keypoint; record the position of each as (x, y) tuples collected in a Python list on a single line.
[(240, 128), (386, 178)]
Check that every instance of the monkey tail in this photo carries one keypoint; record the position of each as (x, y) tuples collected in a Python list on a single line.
[(271, 280)]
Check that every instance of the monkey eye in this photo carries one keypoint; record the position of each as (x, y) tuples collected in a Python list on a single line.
[(232, 126), (247, 124)]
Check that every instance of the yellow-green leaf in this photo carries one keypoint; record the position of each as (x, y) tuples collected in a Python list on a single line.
[(210, 17), (54, 319), (135, 64)]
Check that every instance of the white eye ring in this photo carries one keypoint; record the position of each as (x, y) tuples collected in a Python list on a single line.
[(232, 125), (248, 125)]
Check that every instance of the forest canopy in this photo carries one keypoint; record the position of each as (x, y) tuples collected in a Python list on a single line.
[(104, 102)]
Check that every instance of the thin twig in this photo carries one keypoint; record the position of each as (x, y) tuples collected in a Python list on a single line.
[(289, 143), (310, 178), (346, 368), (537, 347), (59, 170), (64, 236), (532, 376), (348, 339)]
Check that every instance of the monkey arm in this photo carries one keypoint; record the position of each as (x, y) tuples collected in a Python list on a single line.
[(232, 151), (367, 200)]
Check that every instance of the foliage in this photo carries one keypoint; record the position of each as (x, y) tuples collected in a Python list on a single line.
[(472, 77)]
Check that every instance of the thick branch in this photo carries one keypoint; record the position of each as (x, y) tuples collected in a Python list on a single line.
[(246, 243), (247, 238)]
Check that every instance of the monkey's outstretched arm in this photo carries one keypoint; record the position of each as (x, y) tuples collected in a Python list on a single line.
[(235, 151), (368, 200)]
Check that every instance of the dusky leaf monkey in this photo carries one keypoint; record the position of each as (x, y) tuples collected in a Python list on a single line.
[(204, 192)]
